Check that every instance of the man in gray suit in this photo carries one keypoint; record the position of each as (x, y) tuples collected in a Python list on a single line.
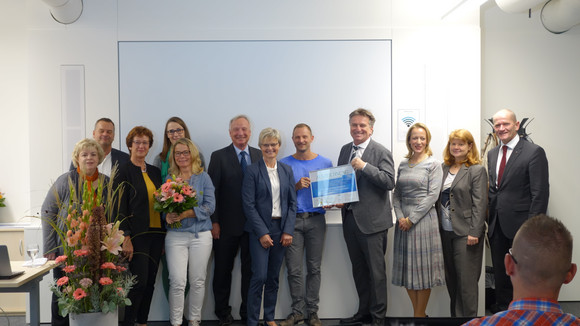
[(365, 222), (518, 190)]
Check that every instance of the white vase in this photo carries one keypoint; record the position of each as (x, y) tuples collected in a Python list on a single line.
[(94, 319)]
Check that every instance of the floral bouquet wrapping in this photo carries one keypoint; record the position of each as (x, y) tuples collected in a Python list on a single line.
[(175, 196), (96, 277)]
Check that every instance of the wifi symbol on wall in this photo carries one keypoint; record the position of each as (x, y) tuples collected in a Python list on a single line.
[(408, 121)]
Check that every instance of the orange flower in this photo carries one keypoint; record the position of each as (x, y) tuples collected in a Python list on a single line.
[(105, 281), (79, 294), (60, 259), (62, 281), (69, 268), (108, 265), (81, 252)]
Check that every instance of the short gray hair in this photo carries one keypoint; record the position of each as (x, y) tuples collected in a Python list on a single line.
[(84, 144), (269, 133)]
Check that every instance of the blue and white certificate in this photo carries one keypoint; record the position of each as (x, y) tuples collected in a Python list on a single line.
[(333, 186)]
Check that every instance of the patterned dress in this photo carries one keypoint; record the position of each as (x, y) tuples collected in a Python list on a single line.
[(417, 253)]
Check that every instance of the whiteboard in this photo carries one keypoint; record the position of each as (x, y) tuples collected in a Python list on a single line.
[(276, 83)]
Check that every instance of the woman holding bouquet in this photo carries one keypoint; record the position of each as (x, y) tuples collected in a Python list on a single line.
[(144, 235), (269, 202), (188, 244), (175, 129), (86, 156)]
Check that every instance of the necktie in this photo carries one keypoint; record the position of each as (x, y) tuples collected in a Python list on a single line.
[(502, 164), (243, 161), (353, 155)]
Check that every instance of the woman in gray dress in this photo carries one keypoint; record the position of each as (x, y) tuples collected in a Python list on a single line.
[(418, 256)]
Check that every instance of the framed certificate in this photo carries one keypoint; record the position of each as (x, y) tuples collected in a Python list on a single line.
[(333, 186)]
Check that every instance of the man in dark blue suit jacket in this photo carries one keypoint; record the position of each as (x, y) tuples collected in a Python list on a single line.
[(522, 192), (104, 134), (228, 220)]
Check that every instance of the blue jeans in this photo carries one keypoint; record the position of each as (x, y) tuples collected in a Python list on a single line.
[(266, 265), (309, 233)]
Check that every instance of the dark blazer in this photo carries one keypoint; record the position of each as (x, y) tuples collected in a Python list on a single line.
[(134, 202), (372, 212), (257, 199), (524, 189), (117, 156), (226, 174), (468, 200)]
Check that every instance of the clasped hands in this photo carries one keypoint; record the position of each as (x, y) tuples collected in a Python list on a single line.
[(267, 242), (405, 224), (171, 218)]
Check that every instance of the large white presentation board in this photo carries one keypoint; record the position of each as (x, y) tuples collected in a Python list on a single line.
[(276, 83)]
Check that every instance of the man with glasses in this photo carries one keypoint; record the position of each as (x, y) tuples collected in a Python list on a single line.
[(538, 263), (104, 134), (226, 169)]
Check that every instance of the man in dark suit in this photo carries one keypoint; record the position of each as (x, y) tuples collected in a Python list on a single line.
[(226, 169), (518, 190), (365, 222), (104, 134)]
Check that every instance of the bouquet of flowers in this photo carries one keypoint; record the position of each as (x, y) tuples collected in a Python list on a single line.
[(2, 198), (96, 277), (175, 196)]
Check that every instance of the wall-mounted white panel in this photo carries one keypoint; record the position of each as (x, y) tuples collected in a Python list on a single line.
[(276, 83), (73, 109)]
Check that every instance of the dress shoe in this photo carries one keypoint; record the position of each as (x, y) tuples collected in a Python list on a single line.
[(225, 320), (357, 319), (378, 322)]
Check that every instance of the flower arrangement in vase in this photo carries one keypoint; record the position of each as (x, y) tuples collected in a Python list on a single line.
[(96, 276)]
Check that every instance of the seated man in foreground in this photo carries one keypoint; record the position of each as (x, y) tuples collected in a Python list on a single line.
[(538, 263)]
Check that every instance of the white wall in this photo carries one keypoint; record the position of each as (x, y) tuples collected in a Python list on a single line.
[(536, 74), (436, 69)]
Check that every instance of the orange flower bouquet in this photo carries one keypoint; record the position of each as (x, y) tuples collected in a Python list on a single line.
[(97, 279)]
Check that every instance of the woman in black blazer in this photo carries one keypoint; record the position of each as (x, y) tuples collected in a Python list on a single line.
[(461, 209), (144, 234)]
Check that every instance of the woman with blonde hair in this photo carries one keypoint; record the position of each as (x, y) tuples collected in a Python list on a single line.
[(418, 257), (188, 247), (461, 208)]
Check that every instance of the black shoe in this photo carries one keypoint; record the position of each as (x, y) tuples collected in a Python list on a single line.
[(378, 322), (225, 320), (357, 319)]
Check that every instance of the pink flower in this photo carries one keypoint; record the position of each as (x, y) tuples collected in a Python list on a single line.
[(72, 239), (108, 265), (79, 294), (86, 282), (69, 268), (60, 259), (81, 252), (83, 226), (105, 281), (166, 186), (178, 198), (186, 190), (120, 291), (121, 269), (62, 281)]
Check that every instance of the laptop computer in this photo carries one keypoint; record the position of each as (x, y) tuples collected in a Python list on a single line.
[(5, 268)]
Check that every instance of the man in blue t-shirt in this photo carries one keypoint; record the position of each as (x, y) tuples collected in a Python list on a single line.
[(309, 231)]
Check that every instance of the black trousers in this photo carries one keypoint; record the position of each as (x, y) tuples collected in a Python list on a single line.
[(500, 245), (225, 250), (147, 249)]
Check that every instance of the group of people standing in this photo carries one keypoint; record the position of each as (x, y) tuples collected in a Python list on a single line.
[(251, 201)]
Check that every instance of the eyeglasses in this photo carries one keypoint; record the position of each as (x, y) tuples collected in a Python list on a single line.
[(512, 255), (184, 153), (270, 145), (174, 131), (139, 143)]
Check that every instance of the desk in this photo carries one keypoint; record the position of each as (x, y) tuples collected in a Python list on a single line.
[(28, 282)]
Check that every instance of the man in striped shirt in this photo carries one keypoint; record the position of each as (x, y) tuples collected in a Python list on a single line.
[(538, 263)]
